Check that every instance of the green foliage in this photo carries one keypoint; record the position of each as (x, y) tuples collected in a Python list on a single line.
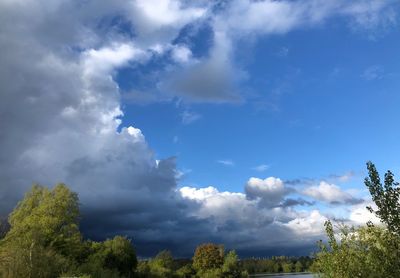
[(162, 265), (298, 267), (44, 237), (116, 257), (44, 241), (185, 271), (231, 267), (287, 267), (143, 269), (209, 273), (164, 259), (276, 264), (367, 251), (363, 252), (208, 256), (386, 197)]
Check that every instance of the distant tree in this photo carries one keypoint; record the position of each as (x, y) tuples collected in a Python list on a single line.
[(287, 267), (186, 271), (208, 256), (164, 259), (277, 267), (386, 197), (231, 268), (298, 267), (162, 265), (143, 269)]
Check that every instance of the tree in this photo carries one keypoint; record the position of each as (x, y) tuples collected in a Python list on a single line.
[(370, 251), (44, 241), (230, 268), (362, 252), (386, 197), (185, 271), (208, 256), (162, 265), (287, 267), (116, 256), (44, 236), (164, 259), (298, 267)]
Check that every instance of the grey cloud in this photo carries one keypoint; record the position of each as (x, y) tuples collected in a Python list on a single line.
[(289, 202), (204, 82)]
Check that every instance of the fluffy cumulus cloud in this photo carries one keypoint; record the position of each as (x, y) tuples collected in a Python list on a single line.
[(270, 191), (330, 193), (61, 111), (249, 227)]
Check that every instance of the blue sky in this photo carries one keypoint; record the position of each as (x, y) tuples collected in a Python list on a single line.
[(318, 101), (177, 122)]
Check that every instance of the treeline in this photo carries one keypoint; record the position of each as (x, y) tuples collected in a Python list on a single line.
[(370, 251), (277, 264), (209, 261)]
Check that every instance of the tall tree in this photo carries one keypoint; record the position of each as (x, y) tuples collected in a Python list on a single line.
[(386, 197)]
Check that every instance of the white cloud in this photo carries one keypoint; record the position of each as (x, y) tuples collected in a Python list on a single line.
[(359, 214), (271, 191), (237, 216), (330, 193), (160, 21), (181, 54), (373, 73), (226, 162), (311, 223), (261, 167), (189, 117), (108, 58)]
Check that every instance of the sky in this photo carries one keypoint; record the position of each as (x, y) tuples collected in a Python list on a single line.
[(245, 123)]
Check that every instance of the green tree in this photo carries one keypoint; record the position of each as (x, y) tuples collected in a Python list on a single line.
[(44, 240), (231, 268), (367, 251), (298, 267), (287, 267), (386, 197), (162, 265), (208, 256), (44, 237), (362, 252), (164, 259), (113, 257), (185, 271)]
